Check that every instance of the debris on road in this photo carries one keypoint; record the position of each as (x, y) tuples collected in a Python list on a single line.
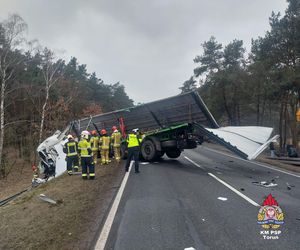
[(144, 163), (219, 173), (265, 183), (242, 189), (47, 199), (222, 198)]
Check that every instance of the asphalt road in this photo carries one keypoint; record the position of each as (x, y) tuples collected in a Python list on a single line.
[(174, 204)]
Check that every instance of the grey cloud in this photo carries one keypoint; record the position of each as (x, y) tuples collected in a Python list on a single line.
[(148, 46)]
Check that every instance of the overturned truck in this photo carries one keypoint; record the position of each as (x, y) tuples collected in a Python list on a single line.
[(169, 126)]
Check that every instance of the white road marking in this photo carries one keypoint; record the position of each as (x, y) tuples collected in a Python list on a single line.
[(222, 198), (255, 163), (196, 164), (226, 184), (234, 190), (101, 242)]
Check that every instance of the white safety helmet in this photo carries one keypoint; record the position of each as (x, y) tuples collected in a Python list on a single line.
[(70, 137), (85, 134), (135, 130)]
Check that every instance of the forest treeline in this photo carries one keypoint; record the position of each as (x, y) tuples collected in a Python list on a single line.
[(261, 88), (41, 93)]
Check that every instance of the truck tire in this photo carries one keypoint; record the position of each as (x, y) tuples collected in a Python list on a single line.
[(174, 153), (169, 144), (148, 150)]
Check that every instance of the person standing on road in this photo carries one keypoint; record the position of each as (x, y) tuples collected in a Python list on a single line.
[(71, 150), (133, 144), (95, 145), (104, 147), (116, 142), (84, 147)]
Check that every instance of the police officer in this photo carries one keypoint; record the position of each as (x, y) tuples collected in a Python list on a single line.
[(71, 150), (84, 147), (133, 144)]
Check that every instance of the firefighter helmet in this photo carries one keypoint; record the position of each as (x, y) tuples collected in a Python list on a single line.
[(103, 132), (94, 132), (114, 128), (85, 134), (70, 137)]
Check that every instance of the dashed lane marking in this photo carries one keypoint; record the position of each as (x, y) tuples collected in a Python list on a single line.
[(252, 202), (255, 163)]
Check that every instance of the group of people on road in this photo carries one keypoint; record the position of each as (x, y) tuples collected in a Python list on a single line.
[(87, 149)]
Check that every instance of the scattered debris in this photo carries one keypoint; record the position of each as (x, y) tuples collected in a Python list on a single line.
[(189, 248), (222, 198), (37, 181), (219, 173), (144, 163), (47, 199), (288, 186), (75, 173), (265, 184), (203, 219), (242, 189), (230, 161), (297, 218)]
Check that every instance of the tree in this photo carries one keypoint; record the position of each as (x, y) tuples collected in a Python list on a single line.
[(189, 85), (12, 32), (52, 72)]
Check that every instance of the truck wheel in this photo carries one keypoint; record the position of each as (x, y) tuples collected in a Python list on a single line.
[(174, 153), (148, 150)]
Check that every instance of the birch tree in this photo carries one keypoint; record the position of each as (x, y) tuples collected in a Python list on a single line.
[(52, 72), (12, 31)]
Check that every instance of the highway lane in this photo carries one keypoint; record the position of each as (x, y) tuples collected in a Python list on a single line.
[(174, 204)]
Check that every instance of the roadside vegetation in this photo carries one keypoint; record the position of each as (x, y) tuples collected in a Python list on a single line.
[(261, 88)]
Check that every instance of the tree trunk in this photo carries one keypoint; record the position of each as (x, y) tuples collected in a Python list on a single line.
[(2, 113), (43, 113)]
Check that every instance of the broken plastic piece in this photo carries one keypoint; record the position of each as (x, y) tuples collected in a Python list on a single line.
[(264, 184), (222, 198), (47, 199)]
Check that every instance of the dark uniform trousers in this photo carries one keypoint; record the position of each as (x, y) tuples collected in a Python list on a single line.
[(87, 164), (133, 153), (72, 161)]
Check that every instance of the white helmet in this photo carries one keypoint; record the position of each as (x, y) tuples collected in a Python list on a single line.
[(70, 137), (135, 130), (85, 134)]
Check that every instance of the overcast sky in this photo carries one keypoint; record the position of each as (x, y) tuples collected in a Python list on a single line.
[(147, 45)]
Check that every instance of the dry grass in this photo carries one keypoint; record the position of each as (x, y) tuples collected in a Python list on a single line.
[(29, 223)]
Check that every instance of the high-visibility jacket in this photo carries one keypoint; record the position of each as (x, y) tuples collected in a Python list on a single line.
[(116, 139), (104, 141), (85, 148), (133, 140), (94, 143), (70, 148)]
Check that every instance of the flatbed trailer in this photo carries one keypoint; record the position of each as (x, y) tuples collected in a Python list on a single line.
[(168, 126)]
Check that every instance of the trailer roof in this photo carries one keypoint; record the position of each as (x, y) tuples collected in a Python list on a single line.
[(187, 107)]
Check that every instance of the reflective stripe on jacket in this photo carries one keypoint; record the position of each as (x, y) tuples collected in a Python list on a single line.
[(70, 148), (104, 141), (94, 143), (84, 146), (116, 138), (133, 141)]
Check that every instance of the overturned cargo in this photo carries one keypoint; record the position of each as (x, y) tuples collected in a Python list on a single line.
[(169, 125)]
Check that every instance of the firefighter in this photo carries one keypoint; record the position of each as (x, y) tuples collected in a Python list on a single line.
[(71, 150), (104, 147), (133, 144), (85, 150), (95, 145), (116, 142)]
